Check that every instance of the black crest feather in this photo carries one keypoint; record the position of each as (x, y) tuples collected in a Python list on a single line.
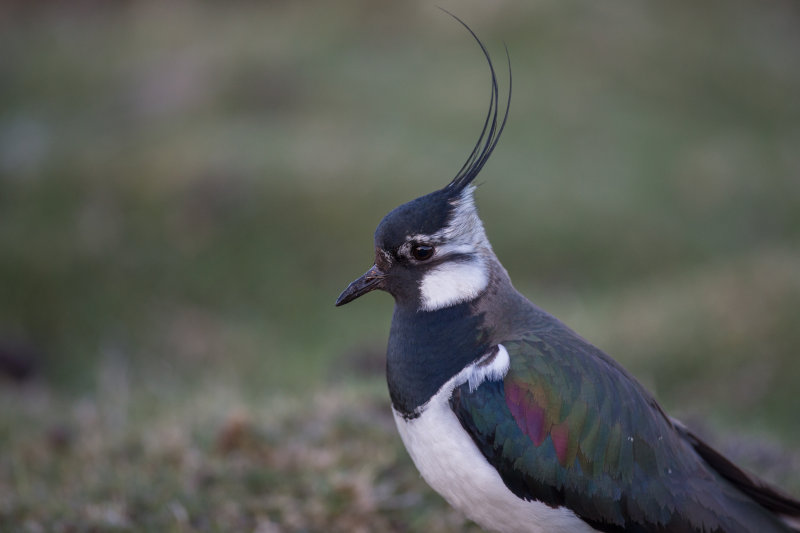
[(492, 128)]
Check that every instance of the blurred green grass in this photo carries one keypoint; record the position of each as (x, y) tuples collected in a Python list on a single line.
[(185, 188)]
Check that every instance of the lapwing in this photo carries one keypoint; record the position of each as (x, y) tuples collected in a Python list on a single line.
[(514, 418)]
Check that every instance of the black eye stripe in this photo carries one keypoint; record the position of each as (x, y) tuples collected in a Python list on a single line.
[(461, 258)]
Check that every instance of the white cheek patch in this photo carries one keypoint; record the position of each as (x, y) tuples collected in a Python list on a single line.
[(452, 283)]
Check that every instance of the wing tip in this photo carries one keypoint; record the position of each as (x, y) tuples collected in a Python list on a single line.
[(774, 499)]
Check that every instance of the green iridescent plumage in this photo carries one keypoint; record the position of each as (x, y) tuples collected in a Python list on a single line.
[(568, 426)]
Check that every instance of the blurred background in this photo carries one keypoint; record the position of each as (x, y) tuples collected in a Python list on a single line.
[(185, 188)]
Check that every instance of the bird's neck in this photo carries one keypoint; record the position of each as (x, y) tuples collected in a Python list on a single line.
[(427, 348)]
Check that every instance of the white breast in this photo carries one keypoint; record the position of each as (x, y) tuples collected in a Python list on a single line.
[(451, 463)]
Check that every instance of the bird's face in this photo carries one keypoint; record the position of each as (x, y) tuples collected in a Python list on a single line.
[(430, 253)]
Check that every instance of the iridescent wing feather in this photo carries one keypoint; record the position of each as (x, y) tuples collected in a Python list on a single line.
[(569, 427)]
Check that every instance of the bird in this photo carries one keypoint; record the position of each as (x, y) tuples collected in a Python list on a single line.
[(514, 418)]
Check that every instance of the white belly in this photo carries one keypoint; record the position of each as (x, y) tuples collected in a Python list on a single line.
[(453, 465)]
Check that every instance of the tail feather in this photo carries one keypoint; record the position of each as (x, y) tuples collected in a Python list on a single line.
[(772, 498)]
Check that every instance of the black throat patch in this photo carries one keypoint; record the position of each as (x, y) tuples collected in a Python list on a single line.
[(426, 349)]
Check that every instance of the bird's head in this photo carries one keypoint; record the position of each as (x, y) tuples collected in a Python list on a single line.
[(432, 252)]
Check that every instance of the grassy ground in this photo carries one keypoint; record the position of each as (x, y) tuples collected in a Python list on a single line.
[(214, 461), (184, 190)]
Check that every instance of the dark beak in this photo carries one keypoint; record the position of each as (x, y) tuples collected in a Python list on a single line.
[(371, 280)]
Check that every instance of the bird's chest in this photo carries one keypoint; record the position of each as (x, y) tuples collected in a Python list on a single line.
[(451, 464)]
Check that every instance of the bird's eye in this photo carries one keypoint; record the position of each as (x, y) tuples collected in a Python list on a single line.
[(421, 252)]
